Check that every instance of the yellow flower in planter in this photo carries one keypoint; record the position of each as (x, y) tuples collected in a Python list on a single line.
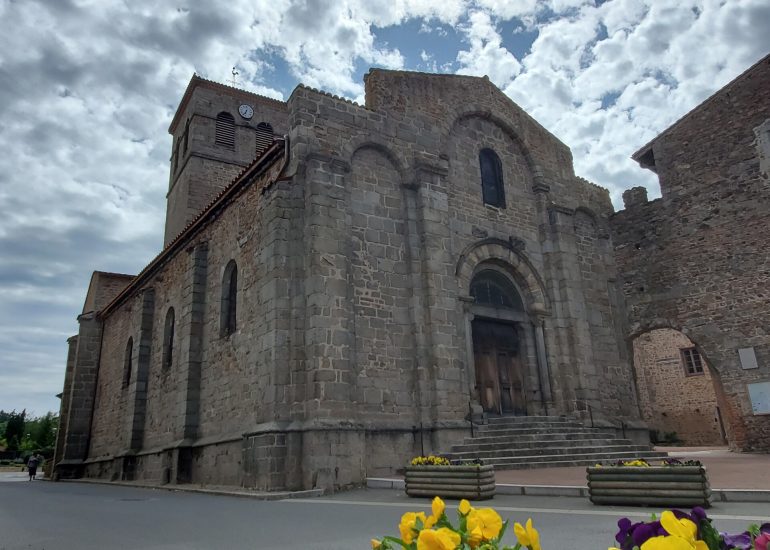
[(465, 507), (440, 539), (376, 544), (487, 521), (408, 525), (527, 536)]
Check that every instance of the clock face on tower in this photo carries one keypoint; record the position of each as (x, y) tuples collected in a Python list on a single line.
[(246, 111)]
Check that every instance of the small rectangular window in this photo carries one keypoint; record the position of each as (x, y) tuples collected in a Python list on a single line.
[(693, 364)]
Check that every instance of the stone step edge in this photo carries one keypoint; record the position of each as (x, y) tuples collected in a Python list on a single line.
[(718, 495), (211, 490)]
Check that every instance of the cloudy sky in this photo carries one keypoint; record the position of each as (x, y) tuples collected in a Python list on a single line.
[(88, 88)]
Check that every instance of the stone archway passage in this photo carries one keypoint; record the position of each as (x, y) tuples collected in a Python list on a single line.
[(679, 392), (499, 375)]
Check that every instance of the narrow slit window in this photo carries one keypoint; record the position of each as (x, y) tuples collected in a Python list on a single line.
[(228, 320), (168, 340), (129, 360), (492, 189)]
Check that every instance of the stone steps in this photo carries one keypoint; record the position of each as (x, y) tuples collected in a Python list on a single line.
[(537, 436), (541, 441), (589, 459), (539, 444), (546, 451)]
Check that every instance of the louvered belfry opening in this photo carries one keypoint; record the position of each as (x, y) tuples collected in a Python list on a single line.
[(225, 133), (264, 136)]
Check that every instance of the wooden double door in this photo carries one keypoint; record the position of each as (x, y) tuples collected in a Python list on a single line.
[(499, 376)]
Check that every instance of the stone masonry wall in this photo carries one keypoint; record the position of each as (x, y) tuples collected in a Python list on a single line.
[(670, 400), (236, 389), (696, 259)]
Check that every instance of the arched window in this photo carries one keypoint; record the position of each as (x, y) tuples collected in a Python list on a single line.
[(225, 132), (229, 299), (168, 340), (128, 361), (492, 189), (264, 136), (492, 288)]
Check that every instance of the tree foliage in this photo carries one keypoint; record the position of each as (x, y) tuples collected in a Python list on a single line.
[(17, 432), (14, 430)]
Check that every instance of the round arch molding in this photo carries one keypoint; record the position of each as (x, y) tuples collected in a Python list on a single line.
[(505, 253), (482, 112)]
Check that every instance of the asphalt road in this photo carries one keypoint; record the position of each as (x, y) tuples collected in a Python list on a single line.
[(82, 516)]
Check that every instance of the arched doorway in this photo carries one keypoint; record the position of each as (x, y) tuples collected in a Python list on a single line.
[(680, 394), (499, 342)]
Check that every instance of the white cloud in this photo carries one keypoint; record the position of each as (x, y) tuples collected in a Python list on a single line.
[(486, 55)]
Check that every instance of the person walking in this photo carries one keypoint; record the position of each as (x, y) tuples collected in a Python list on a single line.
[(32, 466)]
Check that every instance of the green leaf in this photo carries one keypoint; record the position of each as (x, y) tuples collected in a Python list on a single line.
[(400, 542), (502, 531), (710, 536)]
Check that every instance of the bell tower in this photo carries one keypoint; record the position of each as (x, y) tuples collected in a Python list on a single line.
[(217, 131)]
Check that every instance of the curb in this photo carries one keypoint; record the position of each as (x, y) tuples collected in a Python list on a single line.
[(718, 495), (258, 495)]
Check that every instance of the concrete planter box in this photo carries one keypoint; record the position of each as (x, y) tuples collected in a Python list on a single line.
[(653, 486), (470, 482)]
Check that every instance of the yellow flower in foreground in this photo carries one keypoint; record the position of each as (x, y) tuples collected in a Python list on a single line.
[(465, 507), (440, 539), (437, 507), (527, 536), (487, 520), (408, 525), (475, 537), (376, 544), (667, 543), (682, 535)]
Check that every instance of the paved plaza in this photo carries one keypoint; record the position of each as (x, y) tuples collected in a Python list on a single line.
[(42, 515)]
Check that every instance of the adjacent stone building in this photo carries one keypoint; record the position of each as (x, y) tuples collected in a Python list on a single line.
[(696, 260)]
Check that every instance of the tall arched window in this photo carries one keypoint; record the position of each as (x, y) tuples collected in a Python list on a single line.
[(492, 189), (229, 299), (168, 339), (225, 131), (264, 136), (128, 362), (492, 288)]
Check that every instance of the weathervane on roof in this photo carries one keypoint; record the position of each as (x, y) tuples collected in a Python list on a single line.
[(234, 81)]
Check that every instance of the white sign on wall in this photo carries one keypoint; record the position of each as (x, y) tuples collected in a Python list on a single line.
[(759, 393), (748, 358)]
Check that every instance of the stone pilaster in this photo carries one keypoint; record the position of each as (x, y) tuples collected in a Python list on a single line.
[(440, 373), (137, 390), (576, 365), (328, 336), (72, 346), (81, 400), (191, 346)]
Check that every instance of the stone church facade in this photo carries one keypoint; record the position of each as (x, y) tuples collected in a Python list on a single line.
[(343, 286)]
